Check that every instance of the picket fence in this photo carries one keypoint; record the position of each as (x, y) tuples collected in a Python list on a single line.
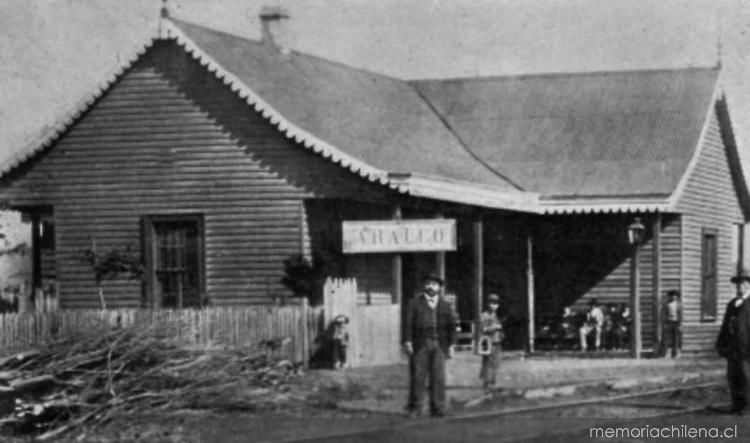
[(246, 327)]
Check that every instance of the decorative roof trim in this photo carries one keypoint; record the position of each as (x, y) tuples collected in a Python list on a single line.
[(67, 119), (169, 30), (605, 206), (430, 187), (674, 200), (438, 188)]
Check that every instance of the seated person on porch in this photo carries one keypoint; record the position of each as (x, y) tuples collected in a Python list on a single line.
[(567, 329), (610, 329), (594, 322), (622, 327), (568, 321)]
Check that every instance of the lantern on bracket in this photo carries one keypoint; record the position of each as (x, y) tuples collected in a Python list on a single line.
[(636, 232)]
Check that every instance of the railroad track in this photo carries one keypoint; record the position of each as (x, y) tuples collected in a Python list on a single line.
[(523, 423)]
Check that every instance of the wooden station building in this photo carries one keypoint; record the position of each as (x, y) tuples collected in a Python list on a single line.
[(217, 158)]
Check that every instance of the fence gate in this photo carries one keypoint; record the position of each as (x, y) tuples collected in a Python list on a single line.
[(374, 330)]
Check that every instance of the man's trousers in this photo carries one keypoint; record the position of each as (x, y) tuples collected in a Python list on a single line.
[(429, 362), (738, 375), (490, 364), (672, 338)]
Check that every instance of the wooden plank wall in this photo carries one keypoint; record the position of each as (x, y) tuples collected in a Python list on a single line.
[(169, 138), (709, 201)]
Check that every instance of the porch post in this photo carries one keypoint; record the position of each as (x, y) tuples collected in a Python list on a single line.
[(656, 280), (36, 256), (396, 267), (478, 267), (440, 258), (635, 302), (530, 288)]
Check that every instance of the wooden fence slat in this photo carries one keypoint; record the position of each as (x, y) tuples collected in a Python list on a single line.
[(233, 327)]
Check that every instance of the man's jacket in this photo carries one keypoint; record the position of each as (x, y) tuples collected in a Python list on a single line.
[(734, 336), (418, 318)]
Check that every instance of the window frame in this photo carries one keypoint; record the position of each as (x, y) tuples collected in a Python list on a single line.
[(709, 305), (148, 237)]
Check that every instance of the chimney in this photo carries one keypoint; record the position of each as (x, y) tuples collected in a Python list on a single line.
[(272, 26)]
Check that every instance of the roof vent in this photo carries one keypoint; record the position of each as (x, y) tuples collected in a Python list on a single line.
[(272, 26)]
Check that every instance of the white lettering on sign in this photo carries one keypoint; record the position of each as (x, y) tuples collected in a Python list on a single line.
[(399, 236)]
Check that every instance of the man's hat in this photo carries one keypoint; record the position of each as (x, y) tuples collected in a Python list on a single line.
[(743, 276), (433, 276), (341, 319), (493, 298), (673, 292)]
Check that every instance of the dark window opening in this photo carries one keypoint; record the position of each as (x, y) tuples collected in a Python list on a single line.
[(175, 261), (709, 266)]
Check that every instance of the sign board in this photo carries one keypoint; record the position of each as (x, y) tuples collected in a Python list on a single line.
[(399, 236)]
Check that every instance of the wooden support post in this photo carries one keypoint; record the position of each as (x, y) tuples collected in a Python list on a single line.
[(656, 280), (440, 262), (635, 302), (478, 268), (36, 254), (397, 268), (530, 288)]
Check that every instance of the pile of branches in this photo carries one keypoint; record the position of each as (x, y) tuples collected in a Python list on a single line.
[(90, 380)]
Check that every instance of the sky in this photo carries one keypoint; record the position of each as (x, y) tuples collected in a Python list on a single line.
[(55, 53)]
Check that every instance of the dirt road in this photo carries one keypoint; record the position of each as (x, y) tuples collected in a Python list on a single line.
[(568, 424)]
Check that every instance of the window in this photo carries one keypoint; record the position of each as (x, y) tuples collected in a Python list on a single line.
[(174, 260), (708, 274), (738, 245)]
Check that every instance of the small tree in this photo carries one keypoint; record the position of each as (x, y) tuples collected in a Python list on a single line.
[(305, 277), (111, 264)]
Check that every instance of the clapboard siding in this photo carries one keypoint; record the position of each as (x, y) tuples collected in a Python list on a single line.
[(598, 252), (709, 201), (168, 138)]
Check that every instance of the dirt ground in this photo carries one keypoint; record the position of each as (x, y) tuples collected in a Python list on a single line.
[(322, 402)]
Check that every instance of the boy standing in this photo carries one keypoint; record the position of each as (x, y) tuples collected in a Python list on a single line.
[(672, 321)]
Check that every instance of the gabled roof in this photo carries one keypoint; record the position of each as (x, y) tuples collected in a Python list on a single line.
[(376, 126), (591, 142), (582, 137)]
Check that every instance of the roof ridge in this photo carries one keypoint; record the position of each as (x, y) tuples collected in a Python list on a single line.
[(565, 74), (293, 51)]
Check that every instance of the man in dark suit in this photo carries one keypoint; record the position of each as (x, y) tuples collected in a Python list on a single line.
[(430, 335), (733, 343)]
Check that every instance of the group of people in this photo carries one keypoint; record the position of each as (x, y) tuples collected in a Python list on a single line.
[(610, 326), (430, 337)]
